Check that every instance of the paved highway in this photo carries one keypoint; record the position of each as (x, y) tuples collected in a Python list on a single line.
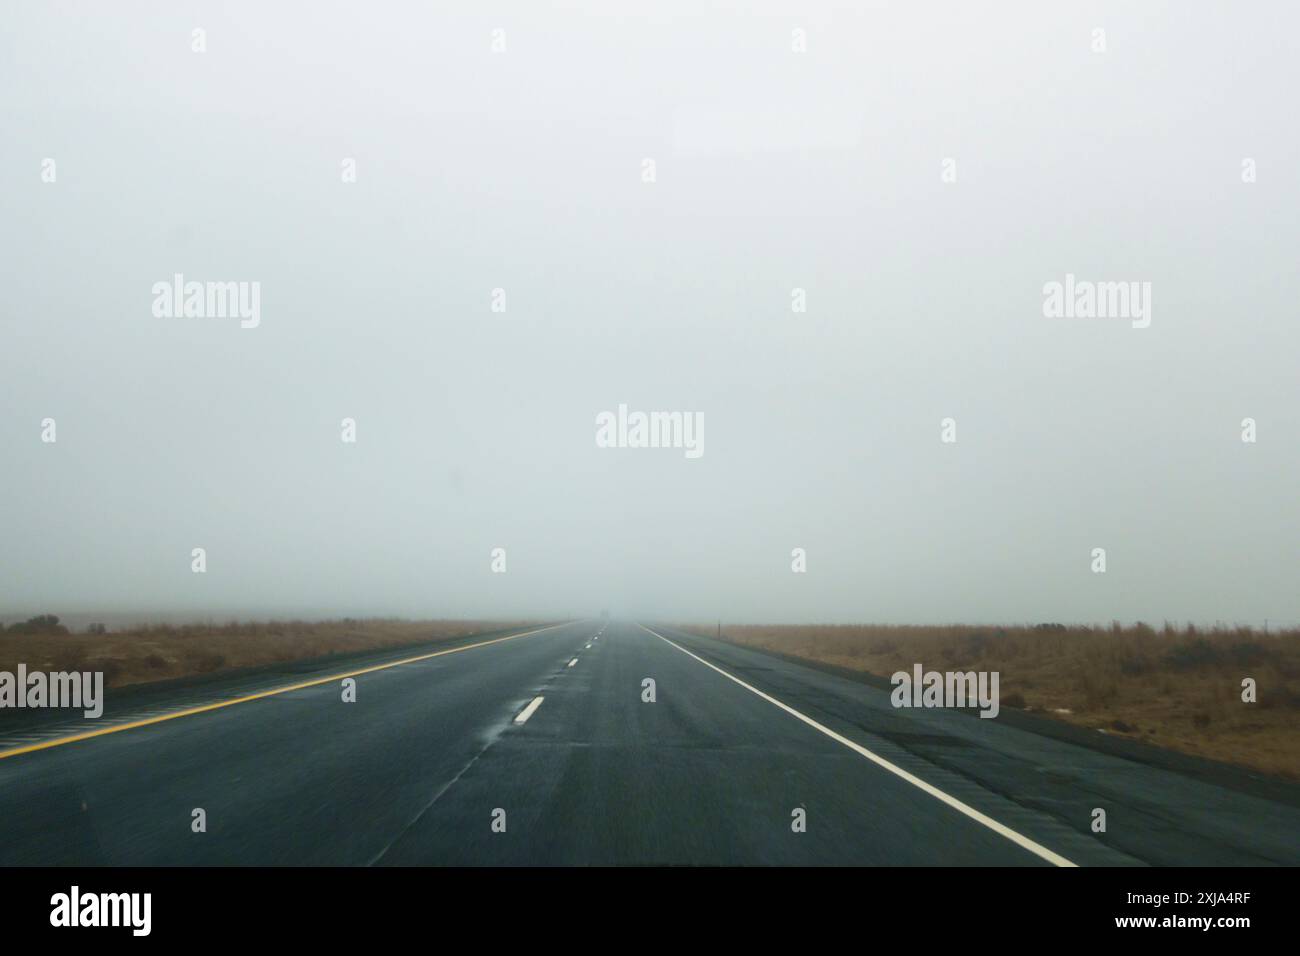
[(540, 748)]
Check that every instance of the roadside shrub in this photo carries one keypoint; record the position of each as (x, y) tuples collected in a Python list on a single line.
[(111, 669), (1197, 652), (209, 662), (40, 624)]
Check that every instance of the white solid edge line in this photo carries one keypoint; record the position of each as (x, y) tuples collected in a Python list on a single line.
[(528, 711), (1017, 838), (572, 662)]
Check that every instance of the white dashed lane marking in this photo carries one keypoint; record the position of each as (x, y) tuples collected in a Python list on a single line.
[(529, 710)]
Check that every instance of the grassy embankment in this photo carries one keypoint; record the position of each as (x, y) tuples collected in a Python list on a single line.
[(1175, 687), (160, 652)]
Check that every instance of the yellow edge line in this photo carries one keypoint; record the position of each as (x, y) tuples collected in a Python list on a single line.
[(117, 728)]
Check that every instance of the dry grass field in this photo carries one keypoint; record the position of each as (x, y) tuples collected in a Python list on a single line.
[(1177, 688), (159, 652)]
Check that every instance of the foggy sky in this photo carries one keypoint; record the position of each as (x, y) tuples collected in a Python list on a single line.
[(775, 170)]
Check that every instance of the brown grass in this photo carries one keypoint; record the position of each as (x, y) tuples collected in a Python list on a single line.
[(160, 652), (1178, 688)]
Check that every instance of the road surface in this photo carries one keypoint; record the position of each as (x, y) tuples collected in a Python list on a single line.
[(540, 748)]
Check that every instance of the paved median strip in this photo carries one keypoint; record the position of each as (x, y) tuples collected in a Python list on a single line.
[(1017, 838), (302, 685)]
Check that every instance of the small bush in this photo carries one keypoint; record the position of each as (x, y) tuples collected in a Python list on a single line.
[(209, 662), (40, 624), (1197, 652), (111, 669)]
